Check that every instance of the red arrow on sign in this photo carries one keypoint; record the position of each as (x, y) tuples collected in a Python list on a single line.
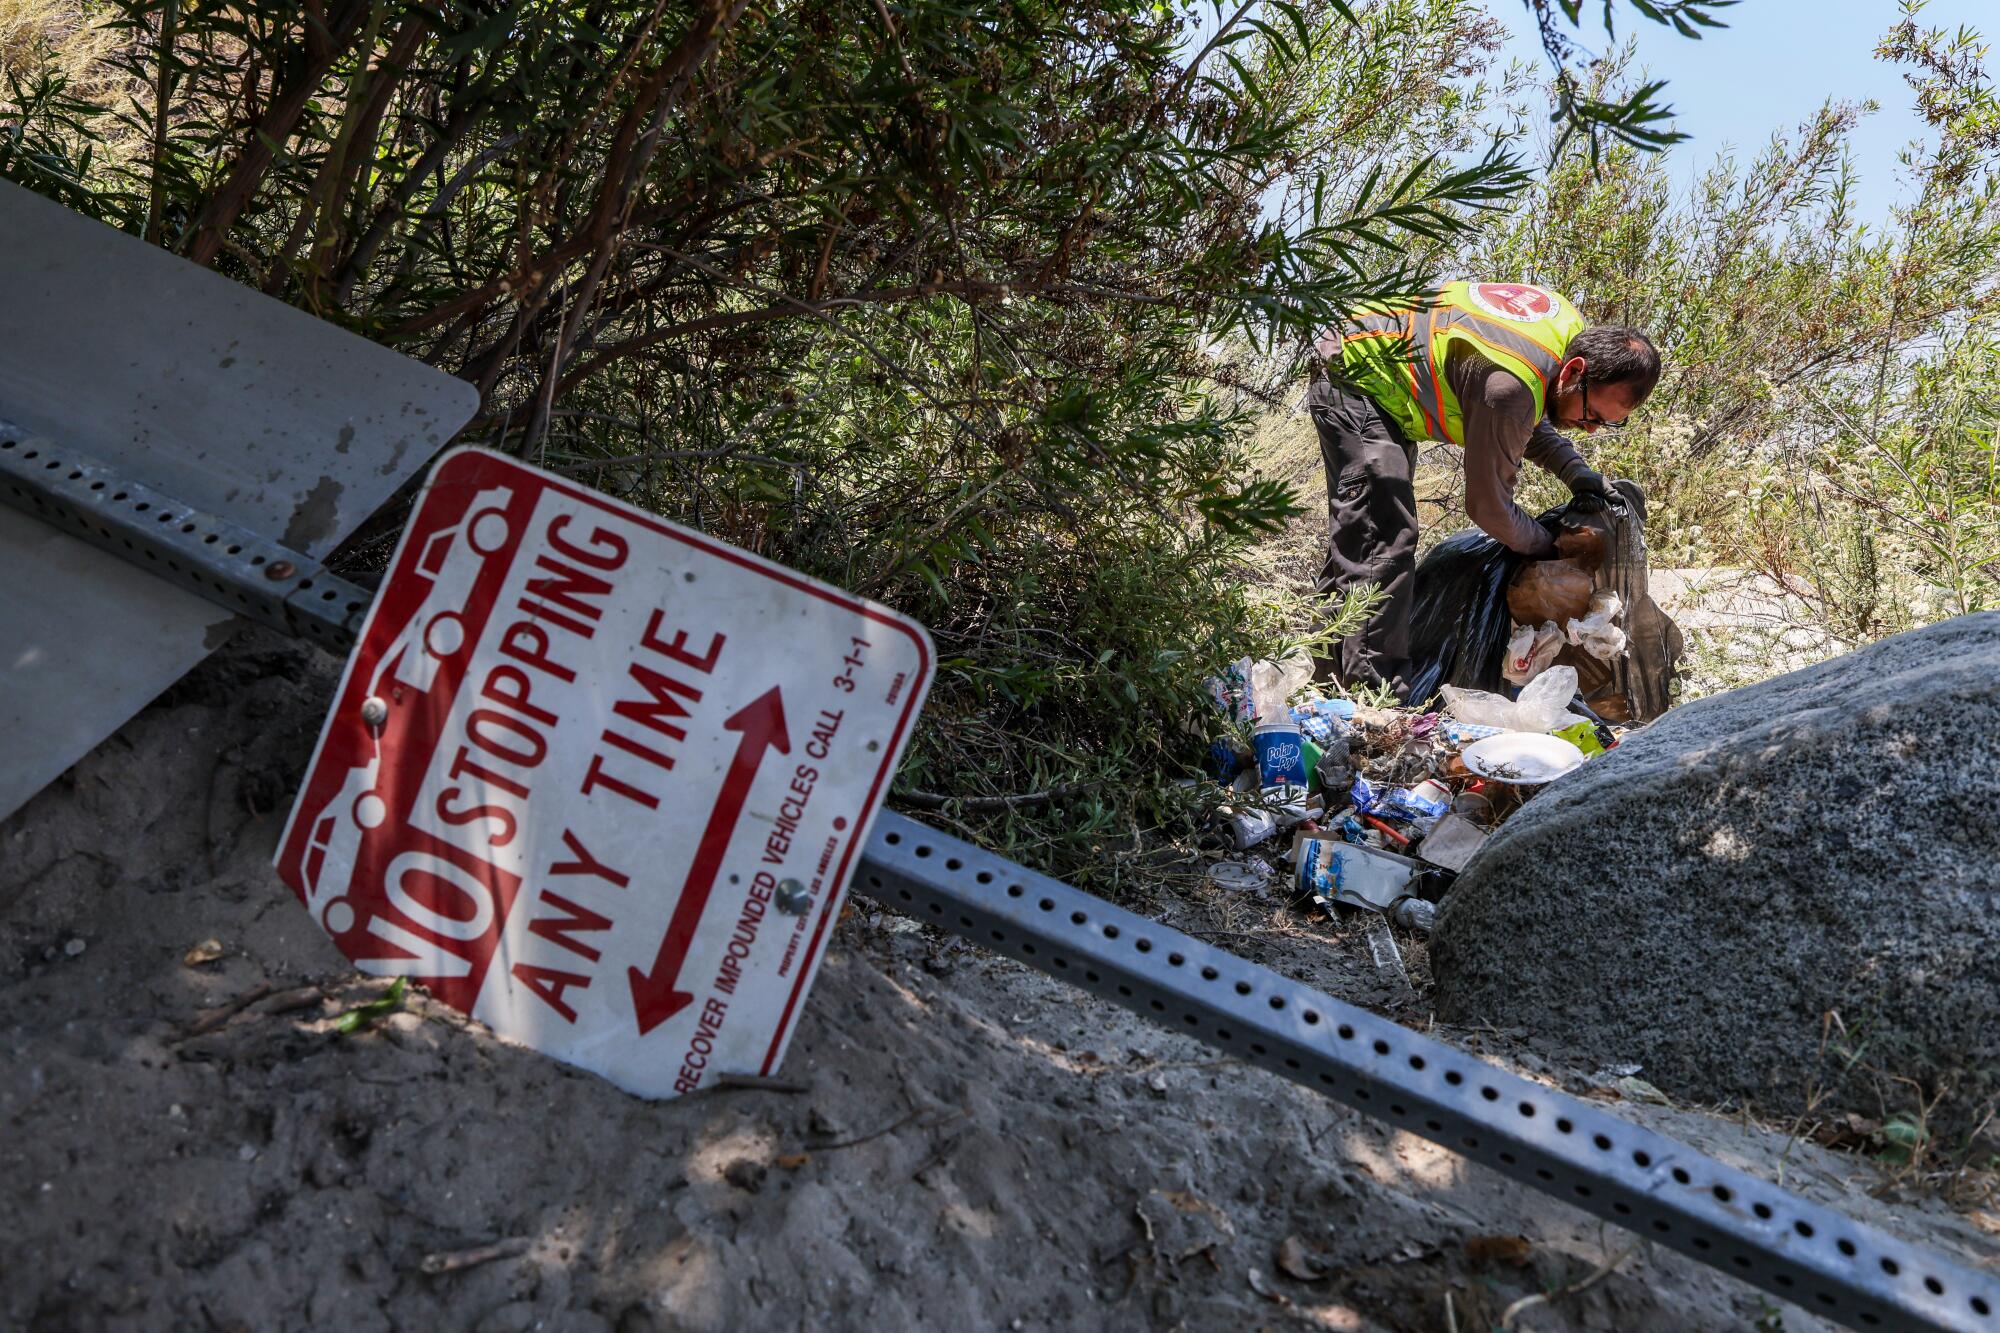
[(762, 723)]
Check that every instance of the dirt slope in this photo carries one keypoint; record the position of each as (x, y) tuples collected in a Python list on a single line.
[(978, 1146)]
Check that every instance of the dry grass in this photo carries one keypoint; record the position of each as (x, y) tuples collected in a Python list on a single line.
[(66, 39), (61, 34)]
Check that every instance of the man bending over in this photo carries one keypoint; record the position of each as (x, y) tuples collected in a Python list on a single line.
[(1501, 369)]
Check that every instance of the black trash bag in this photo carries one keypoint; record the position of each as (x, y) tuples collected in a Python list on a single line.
[(1459, 623)]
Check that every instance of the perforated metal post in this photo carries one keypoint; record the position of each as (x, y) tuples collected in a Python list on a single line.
[(242, 570), (1653, 1185)]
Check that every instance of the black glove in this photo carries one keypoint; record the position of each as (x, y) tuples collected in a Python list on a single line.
[(1592, 494)]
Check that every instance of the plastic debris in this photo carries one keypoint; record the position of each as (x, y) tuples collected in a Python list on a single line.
[(1415, 914), (1349, 829), (1335, 769), (1452, 843), (1595, 632), (1280, 754), (1354, 874), (1323, 718), (1521, 757), (1476, 806), (1583, 735), (1464, 733), (1247, 828), (1388, 959), (1288, 803), (1543, 704), (1225, 761), (1423, 804), (1377, 809), (1272, 685), (1385, 830), (1531, 651), (1239, 876), (1362, 793), (1230, 692), (1427, 803)]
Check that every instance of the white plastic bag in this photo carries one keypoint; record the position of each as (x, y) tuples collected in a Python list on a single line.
[(1531, 650), (1520, 649), (1272, 685), (1595, 633), (1543, 705)]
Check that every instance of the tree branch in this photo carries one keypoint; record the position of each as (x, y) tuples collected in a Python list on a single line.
[(325, 43)]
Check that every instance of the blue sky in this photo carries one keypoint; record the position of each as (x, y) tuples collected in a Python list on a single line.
[(1771, 68)]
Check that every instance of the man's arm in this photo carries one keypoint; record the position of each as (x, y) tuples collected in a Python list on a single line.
[(1499, 417), (1551, 450)]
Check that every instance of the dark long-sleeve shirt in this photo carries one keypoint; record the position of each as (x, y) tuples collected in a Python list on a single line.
[(1501, 429)]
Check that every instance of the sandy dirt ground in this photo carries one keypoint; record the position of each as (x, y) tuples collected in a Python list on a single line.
[(191, 1144)]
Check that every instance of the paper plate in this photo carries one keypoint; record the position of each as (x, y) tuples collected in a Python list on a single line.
[(1522, 757)]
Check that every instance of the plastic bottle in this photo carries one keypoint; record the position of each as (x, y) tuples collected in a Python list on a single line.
[(1415, 914)]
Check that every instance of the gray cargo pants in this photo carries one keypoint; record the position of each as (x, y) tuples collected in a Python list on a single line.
[(1372, 517)]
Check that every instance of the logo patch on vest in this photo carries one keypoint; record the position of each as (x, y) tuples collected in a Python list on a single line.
[(1513, 300)]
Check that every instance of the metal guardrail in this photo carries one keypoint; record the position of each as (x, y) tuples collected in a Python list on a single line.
[(1646, 1182), (1651, 1184), (222, 561)]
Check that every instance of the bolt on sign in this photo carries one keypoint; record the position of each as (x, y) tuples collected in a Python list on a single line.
[(598, 780)]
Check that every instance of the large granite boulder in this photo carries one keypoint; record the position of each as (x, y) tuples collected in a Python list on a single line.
[(1786, 896)]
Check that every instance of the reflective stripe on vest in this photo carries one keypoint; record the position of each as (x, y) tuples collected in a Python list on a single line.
[(1397, 356)]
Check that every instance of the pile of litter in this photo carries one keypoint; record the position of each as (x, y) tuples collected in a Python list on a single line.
[(1371, 813), (1374, 811)]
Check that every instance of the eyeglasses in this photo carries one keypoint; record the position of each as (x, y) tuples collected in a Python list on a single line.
[(1591, 417)]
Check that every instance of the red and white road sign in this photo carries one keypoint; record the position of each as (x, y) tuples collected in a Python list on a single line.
[(581, 762)]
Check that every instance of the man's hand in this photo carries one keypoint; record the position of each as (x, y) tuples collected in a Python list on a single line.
[(1592, 494)]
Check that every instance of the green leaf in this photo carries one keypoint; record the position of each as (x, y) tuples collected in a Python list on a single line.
[(364, 1015)]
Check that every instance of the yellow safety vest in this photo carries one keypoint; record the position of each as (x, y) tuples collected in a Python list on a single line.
[(1397, 355)]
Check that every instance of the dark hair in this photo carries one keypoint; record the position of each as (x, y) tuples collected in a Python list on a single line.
[(1614, 354)]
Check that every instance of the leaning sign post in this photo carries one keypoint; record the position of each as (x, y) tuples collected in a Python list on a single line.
[(599, 781)]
